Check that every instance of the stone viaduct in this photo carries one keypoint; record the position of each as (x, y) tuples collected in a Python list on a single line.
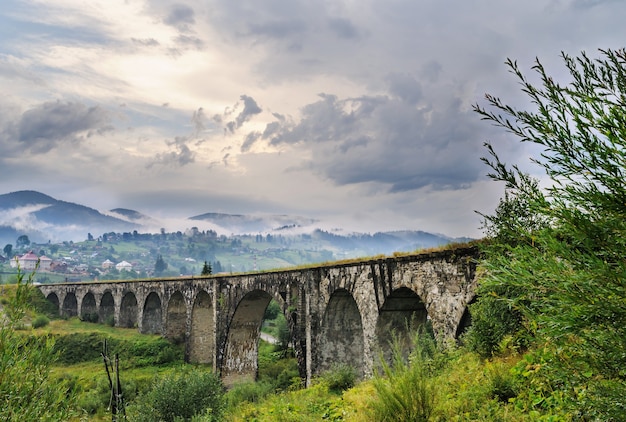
[(339, 313)]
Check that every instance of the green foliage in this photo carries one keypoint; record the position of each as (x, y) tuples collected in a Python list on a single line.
[(272, 310), (27, 392), (40, 321), (183, 395), (90, 317), (206, 269), (275, 368), (160, 265), (83, 347), (339, 378), (493, 321), (41, 305), (405, 390), (250, 392), (565, 276)]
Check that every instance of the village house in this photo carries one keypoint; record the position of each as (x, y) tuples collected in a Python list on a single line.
[(124, 266), (108, 264), (29, 260)]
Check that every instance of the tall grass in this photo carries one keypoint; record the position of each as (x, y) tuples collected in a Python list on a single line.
[(405, 388)]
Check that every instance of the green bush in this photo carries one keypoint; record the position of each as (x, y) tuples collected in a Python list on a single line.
[(339, 378), (251, 392), (182, 395), (110, 321), (272, 311), (493, 319), (40, 321)]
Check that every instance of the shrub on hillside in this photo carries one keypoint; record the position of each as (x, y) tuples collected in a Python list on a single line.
[(90, 317), (84, 347), (40, 321), (339, 378), (183, 395)]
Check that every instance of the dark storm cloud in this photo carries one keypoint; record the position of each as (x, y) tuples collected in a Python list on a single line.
[(384, 139), (48, 125), (405, 87)]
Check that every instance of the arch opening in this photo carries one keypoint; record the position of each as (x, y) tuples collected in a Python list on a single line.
[(241, 355), (152, 321), (465, 322), (107, 309), (202, 332), (176, 318), (70, 305), (88, 308), (341, 337), (128, 311), (53, 299), (399, 319)]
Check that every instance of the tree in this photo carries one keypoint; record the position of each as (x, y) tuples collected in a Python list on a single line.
[(160, 265), (206, 269), (566, 274), (8, 250), (22, 241)]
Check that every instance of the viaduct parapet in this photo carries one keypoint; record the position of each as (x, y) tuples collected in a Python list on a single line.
[(341, 313)]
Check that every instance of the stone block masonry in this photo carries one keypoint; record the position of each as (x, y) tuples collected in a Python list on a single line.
[(341, 313)]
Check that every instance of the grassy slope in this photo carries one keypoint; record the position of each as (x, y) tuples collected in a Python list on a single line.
[(466, 390)]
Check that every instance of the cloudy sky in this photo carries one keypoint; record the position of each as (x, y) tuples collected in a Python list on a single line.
[(354, 112)]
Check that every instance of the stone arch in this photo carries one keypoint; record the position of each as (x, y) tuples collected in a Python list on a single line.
[(241, 354), (465, 321), (54, 300), (128, 311), (202, 333), (107, 307), (176, 318), (70, 305), (152, 319), (400, 316), (341, 335), (88, 308)]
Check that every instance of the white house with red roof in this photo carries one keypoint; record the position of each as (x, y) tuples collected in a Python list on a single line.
[(29, 260)]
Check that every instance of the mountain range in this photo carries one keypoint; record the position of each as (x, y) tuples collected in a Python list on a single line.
[(45, 219)]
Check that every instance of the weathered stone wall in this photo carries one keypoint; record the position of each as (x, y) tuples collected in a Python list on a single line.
[(337, 314)]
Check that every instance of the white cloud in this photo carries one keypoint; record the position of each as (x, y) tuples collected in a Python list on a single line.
[(216, 106)]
